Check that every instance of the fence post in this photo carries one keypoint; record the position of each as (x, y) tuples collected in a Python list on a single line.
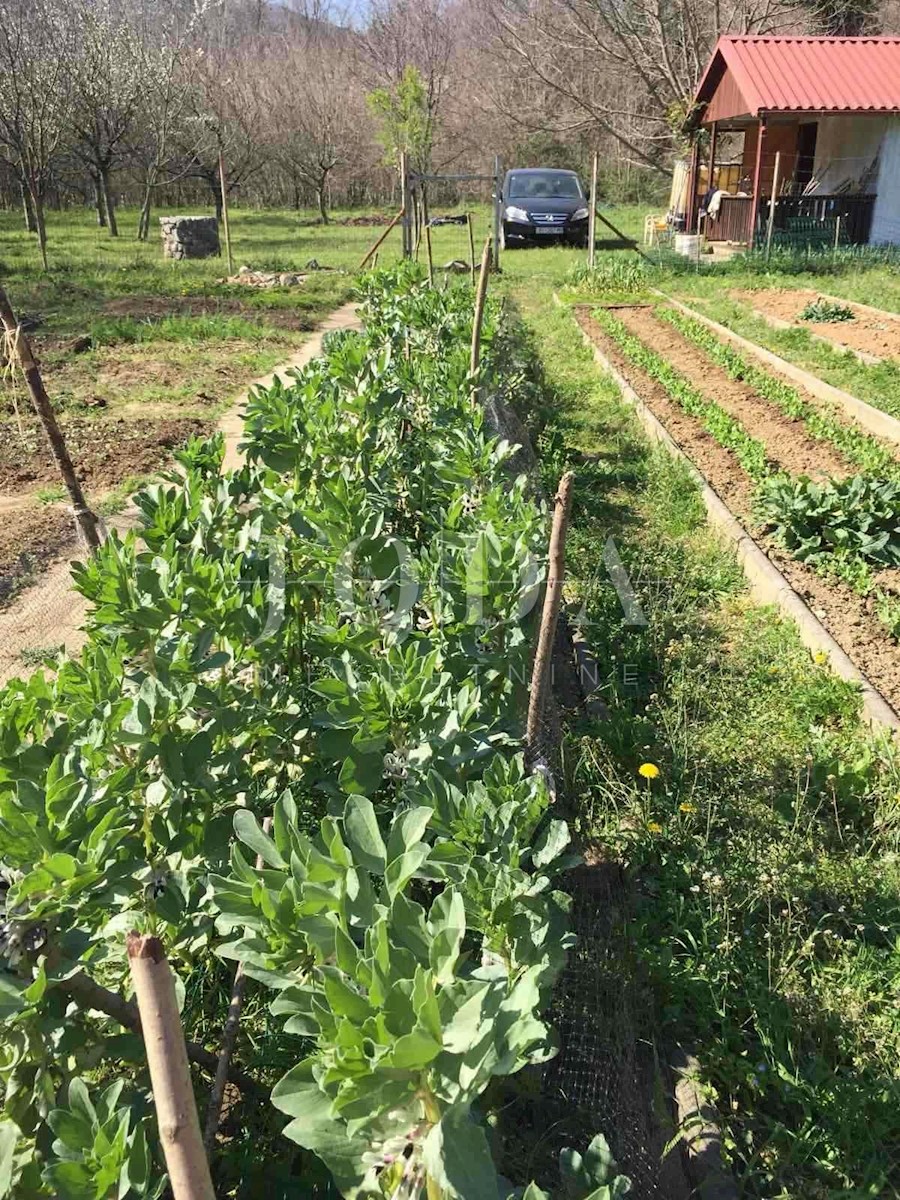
[(480, 295), (404, 203), (225, 224), (471, 245), (592, 212), (498, 205), (837, 238), (773, 200)]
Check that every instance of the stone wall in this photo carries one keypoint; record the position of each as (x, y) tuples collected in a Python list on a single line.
[(189, 237)]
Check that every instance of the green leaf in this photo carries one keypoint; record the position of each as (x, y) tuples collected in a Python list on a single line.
[(447, 924), (550, 844), (250, 833), (457, 1157), (363, 834), (9, 1137)]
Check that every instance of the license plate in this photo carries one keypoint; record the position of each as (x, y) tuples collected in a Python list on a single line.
[(548, 229)]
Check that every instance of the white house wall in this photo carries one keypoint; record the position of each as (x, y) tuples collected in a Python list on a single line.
[(846, 147), (886, 217)]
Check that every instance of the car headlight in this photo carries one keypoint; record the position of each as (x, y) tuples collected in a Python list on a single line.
[(579, 214), (515, 214)]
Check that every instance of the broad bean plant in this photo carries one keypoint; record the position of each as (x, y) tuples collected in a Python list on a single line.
[(334, 635)]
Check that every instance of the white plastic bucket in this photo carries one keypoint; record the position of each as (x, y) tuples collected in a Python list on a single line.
[(687, 244)]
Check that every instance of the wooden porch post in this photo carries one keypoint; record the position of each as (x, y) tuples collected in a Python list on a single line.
[(693, 180), (713, 135), (757, 177)]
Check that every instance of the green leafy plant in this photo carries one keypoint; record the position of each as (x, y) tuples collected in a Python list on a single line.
[(826, 311)]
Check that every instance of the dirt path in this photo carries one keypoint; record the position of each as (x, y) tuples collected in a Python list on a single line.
[(850, 619), (49, 614), (786, 439)]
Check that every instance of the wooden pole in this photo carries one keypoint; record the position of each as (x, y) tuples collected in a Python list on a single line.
[(471, 246), (757, 179), (556, 569), (480, 295), (170, 1076), (693, 178), (498, 206), (713, 139), (773, 200), (225, 226), (19, 347), (837, 238), (372, 249), (229, 1039), (404, 204), (426, 225), (592, 211)]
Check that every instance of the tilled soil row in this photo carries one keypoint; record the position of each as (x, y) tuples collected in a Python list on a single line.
[(850, 619), (786, 438)]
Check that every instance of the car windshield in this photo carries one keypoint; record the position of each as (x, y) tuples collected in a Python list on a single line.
[(543, 185)]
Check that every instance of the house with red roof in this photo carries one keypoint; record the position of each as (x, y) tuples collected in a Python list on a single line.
[(814, 124)]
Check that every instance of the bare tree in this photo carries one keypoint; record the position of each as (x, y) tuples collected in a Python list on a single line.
[(316, 117), (35, 96)]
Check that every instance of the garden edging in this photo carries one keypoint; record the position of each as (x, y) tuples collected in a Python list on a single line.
[(767, 584), (880, 423)]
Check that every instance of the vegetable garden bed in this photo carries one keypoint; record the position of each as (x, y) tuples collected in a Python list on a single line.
[(819, 491), (874, 335), (335, 635)]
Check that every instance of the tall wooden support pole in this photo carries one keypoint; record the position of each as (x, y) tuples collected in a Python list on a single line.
[(19, 348), (713, 140), (170, 1076), (757, 181), (498, 209), (426, 226), (404, 204), (773, 201), (225, 225), (373, 249), (556, 569), (471, 246), (480, 296), (592, 211), (693, 181)]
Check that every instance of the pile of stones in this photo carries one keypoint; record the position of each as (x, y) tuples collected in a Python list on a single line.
[(189, 237)]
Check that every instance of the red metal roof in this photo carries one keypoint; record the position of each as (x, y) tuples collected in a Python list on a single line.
[(808, 74)]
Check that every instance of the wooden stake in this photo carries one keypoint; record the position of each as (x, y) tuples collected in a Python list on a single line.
[(371, 250), (556, 568), (404, 204), (170, 1077), (498, 209), (480, 295), (471, 245), (837, 238), (770, 228), (592, 211), (20, 348), (229, 1038), (225, 212), (378, 240)]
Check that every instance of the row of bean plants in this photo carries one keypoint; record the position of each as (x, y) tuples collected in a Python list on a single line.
[(845, 529), (334, 635)]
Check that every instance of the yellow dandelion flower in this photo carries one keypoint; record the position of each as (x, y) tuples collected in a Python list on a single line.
[(820, 657), (648, 770), (654, 827), (687, 808)]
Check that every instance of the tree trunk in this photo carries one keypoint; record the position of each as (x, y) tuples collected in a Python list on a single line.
[(37, 204), (320, 200), (27, 208), (215, 188), (109, 203), (144, 219), (99, 202)]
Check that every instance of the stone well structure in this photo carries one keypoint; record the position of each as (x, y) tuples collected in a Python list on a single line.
[(189, 237)]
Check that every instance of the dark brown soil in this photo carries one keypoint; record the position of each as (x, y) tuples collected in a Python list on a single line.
[(849, 618), (866, 332), (105, 450), (29, 539), (143, 308), (789, 445)]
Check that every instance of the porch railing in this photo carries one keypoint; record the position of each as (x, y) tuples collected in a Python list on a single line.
[(799, 220)]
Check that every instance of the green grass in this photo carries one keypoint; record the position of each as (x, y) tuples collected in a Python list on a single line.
[(762, 860)]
